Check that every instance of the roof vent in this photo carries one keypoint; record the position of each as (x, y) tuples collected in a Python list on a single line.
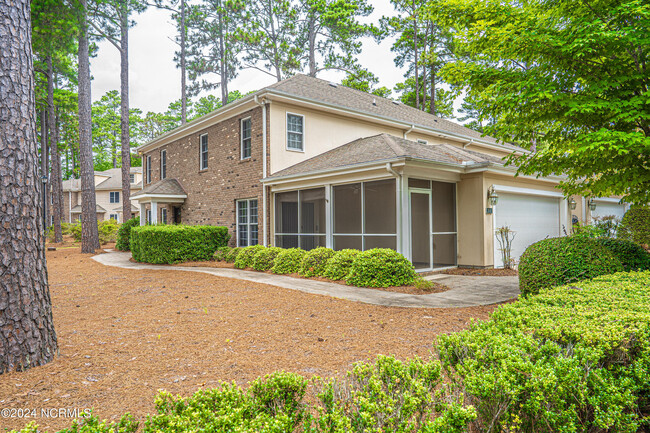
[(395, 102), (333, 84), (374, 102)]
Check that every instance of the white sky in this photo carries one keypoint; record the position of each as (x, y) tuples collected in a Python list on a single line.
[(155, 80)]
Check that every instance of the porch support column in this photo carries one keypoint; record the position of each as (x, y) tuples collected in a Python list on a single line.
[(143, 214), (329, 208), (406, 220), (154, 212)]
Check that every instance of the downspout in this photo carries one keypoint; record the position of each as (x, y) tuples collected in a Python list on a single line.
[(398, 201), (466, 145), (406, 133), (264, 174)]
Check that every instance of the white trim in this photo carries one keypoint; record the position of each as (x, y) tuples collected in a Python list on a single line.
[(163, 215), (117, 217), (207, 151), (161, 164), (248, 223), (147, 175), (286, 130), (241, 138), (527, 191)]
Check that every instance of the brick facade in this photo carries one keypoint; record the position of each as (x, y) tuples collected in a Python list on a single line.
[(212, 193)]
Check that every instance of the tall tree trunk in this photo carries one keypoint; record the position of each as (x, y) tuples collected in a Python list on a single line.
[(27, 336), (415, 53), (222, 67), (183, 71), (57, 177), (312, 46), (126, 140), (44, 173), (54, 149), (276, 57), (89, 233)]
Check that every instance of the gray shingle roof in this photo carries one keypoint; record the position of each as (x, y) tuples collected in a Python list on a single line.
[(77, 209), (385, 147), (346, 97), (113, 183), (162, 187)]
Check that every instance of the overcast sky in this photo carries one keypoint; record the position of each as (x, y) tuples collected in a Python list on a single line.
[(155, 80)]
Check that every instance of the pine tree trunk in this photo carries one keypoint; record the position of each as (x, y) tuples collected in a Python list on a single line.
[(415, 53), (183, 71), (126, 140), (222, 66), (57, 176), (44, 173), (312, 47), (89, 233), (432, 104), (27, 336), (54, 149)]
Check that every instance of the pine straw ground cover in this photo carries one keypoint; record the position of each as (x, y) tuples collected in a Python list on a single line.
[(125, 334)]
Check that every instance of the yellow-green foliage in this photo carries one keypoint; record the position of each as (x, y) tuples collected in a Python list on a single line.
[(288, 261), (263, 260), (314, 262), (176, 243), (246, 255)]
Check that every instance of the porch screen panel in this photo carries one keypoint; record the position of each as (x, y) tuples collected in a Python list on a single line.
[(380, 242), (300, 219), (443, 208), (380, 207), (444, 250), (347, 208), (286, 212), (286, 241), (312, 211), (344, 242)]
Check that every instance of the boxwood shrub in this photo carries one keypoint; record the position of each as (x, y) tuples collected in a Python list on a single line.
[(314, 262), (381, 267), (288, 261), (339, 265), (635, 226), (232, 254), (631, 255), (221, 253), (176, 243), (124, 234), (573, 358), (245, 256), (263, 260), (559, 261)]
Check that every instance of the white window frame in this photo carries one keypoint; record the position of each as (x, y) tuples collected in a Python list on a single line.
[(163, 164), (132, 178), (148, 168), (201, 166), (111, 196), (293, 149), (163, 215), (248, 222), (241, 138), (115, 217), (148, 216)]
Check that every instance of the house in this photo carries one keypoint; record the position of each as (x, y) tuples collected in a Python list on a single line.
[(108, 195), (305, 162)]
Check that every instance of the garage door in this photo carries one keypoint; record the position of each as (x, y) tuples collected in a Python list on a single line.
[(606, 208), (532, 218)]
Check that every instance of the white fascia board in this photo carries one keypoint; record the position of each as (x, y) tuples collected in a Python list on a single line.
[(319, 174), (609, 200), (172, 198), (510, 171), (527, 191)]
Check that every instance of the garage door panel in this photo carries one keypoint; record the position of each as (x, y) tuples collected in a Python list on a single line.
[(604, 209), (531, 217)]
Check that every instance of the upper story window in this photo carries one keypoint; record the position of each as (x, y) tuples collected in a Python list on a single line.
[(132, 178), (203, 153), (295, 131), (246, 138), (114, 197), (163, 164), (148, 168)]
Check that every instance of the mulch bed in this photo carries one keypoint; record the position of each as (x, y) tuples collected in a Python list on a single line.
[(123, 334), (487, 272)]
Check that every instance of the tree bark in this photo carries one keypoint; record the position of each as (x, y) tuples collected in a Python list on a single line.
[(89, 233), (415, 54), (55, 175), (126, 140), (183, 68), (44, 173), (312, 46), (222, 67), (27, 336)]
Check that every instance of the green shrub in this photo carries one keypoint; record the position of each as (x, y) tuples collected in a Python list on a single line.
[(635, 226), (65, 228), (245, 256), (381, 267), (631, 255), (232, 254), (176, 243), (263, 260), (314, 262), (288, 261), (75, 230), (339, 265), (107, 231), (221, 254), (558, 261), (124, 234), (573, 358)]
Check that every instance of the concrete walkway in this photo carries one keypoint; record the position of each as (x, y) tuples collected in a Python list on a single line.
[(465, 291)]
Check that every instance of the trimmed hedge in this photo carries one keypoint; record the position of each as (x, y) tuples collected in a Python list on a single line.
[(314, 262), (631, 255), (571, 359), (232, 254), (558, 261), (159, 244), (381, 267), (124, 234), (245, 256), (339, 265), (635, 226), (288, 261), (263, 260)]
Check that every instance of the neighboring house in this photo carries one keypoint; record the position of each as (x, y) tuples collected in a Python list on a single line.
[(108, 195), (308, 163)]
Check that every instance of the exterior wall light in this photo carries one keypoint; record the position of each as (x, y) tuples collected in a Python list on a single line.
[(493, 197), (592, 204), (572, 203)]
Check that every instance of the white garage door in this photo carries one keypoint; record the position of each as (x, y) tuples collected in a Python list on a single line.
[(606, 208), (532, 218)]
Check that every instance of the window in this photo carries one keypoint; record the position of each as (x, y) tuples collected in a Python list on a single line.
[(300, 219), (163, 215), (132, 178), (148, 168), (163, 164), (114, 217), (246, 223), (203, 159), (246, 138), (148, 217), (114, 196), (295, 132)]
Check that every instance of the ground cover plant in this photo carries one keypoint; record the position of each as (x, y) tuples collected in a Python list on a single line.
[(159, 244)]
